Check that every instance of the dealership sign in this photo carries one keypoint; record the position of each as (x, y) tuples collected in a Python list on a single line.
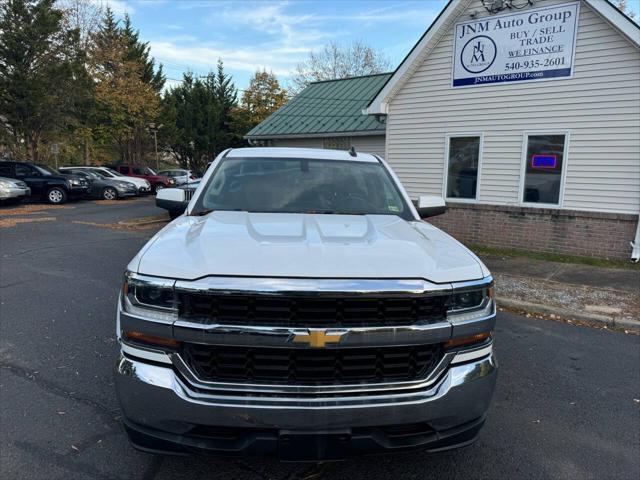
[(535, 44)]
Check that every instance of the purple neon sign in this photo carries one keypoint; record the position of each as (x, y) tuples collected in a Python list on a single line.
[(544, 162)]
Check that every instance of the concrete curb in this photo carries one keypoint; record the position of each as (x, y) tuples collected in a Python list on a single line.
[(565, 313)]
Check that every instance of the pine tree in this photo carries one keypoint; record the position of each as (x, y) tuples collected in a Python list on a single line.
[(126, 89), (41, 66)]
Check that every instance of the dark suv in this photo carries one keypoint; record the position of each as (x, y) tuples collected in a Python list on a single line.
[(45, 182), (158, 182)]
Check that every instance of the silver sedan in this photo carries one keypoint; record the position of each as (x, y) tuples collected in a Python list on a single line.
[(12, 190)]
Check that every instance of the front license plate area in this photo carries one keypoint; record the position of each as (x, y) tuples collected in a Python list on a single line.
[(297, 446)]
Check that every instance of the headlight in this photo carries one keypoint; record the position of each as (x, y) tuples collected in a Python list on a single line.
[(172, 181), (149, 297), (73, 181), (147, 184), (470, 303)]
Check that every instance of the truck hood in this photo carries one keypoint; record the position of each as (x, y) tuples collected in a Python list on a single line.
[(305, 245)]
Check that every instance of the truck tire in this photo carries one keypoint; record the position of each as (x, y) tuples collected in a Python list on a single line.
[(109, 193), (56, 195)]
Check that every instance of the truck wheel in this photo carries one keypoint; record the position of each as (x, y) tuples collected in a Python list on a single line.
[(157, 187), (56, 195), (109, 193)]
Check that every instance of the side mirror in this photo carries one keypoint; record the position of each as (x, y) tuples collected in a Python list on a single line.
[(172, 199), (430, 206)]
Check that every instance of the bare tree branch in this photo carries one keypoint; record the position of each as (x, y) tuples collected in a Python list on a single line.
[(338, 61)]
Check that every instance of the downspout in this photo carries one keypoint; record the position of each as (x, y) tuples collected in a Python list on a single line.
[(635, 245)]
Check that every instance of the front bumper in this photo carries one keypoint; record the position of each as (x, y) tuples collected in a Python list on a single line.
[(127, 191), (163, 414), (14, 192), (78, 191)]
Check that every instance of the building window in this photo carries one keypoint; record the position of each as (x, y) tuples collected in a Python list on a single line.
[(544, 162), (462, 167), (336, 143)]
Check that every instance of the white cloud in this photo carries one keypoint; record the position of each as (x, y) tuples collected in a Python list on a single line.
[(274, 35), (119, 7), (281, 60)]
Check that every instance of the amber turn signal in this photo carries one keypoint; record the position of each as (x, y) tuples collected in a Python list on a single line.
[(460, 342), (150, 339)]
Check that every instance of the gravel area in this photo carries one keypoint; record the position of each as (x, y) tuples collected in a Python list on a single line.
[(602, 301)]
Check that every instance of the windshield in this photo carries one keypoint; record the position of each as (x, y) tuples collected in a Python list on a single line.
[(43, 169), (285, 185), (148, 171), (112, 173), (87, 173)]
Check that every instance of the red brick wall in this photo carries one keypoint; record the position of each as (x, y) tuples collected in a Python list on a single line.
[(570, 232)]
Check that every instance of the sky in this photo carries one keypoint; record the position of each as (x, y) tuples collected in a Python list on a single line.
[(274, 35)]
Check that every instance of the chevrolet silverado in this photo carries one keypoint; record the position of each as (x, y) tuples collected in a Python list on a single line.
[(301, 308)]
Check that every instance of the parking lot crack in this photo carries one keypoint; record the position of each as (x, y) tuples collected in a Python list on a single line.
[(34, 376)]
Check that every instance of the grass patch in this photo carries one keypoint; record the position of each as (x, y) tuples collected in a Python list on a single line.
[(555, 257)]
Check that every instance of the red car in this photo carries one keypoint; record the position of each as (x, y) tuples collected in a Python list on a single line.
[(158, 182)]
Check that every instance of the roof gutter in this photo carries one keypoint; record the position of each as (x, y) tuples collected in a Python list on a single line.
[(285, 136)]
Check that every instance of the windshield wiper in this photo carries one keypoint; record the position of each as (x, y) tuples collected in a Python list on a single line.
[(202, 213)]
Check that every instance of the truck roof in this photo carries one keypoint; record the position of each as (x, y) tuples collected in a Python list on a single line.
[(311, 153)]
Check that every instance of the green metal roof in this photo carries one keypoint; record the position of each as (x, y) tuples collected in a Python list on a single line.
[(327, 107)]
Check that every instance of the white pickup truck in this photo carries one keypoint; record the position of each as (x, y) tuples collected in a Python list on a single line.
[(301, 308)]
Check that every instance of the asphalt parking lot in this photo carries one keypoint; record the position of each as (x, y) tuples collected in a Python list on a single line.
[(567, 403)]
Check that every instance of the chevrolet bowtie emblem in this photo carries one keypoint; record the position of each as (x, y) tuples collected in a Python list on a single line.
[(318, 338)]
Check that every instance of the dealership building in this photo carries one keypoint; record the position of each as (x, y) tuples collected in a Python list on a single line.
[(525, 116)]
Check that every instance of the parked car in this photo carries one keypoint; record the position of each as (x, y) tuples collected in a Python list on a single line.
[(44, 182), (305, 311), (158, 182), (180, 176), (12, 190), (103, 187), (144, 186), (175, 210)]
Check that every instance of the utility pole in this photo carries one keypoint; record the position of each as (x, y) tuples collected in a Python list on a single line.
[(154, 129), (55, 149)]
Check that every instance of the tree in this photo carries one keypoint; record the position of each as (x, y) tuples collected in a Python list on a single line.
[(85, 16), (198, 118), (126, 87), (339, 61), (263, 97), (624, 8), (41, 63)]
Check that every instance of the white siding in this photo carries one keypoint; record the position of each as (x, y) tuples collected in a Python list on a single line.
[(599, 107), (366, 144), (370, 144)]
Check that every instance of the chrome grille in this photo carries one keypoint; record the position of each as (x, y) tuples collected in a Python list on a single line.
[(310, 311), (302, 366), (188, 194)]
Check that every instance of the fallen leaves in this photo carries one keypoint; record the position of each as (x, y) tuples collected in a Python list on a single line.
[(12, 222), (30, 209), (144, 223)]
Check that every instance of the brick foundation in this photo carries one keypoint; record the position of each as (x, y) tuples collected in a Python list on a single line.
[(569, 232)]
